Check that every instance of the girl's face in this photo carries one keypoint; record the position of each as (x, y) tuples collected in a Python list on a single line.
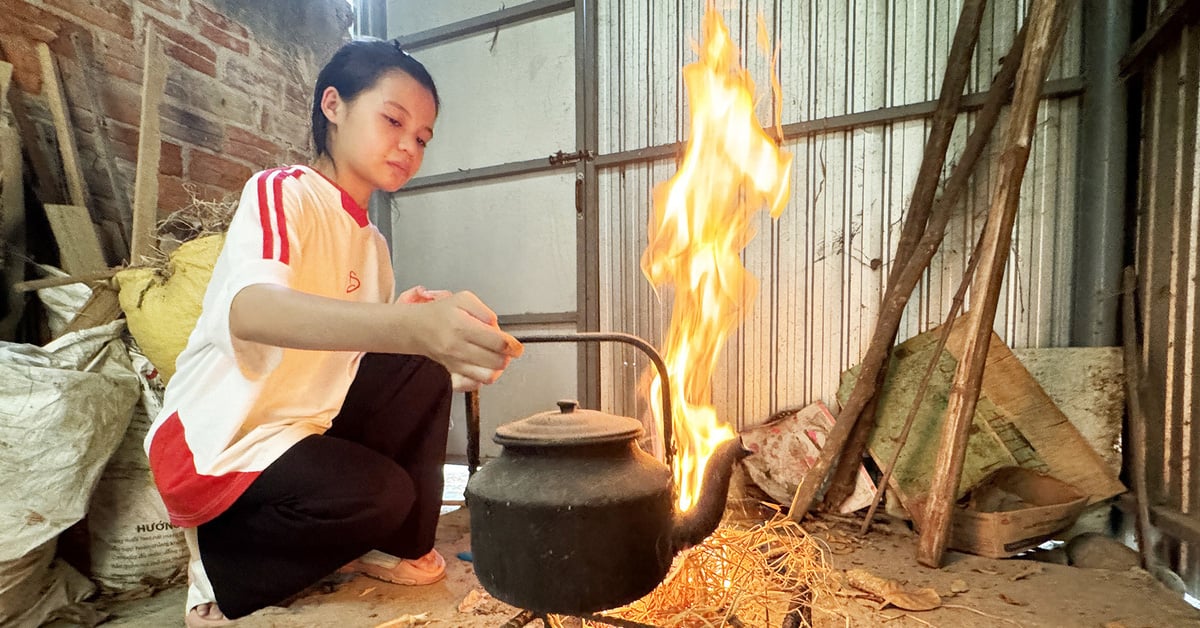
[(377, 140)]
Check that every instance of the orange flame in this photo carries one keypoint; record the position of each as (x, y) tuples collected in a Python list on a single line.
[(701, 223)]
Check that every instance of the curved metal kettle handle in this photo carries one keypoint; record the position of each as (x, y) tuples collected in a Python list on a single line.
[(647, 348)]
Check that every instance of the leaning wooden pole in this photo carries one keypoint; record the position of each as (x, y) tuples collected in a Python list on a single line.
[(145, 185), (943, 337), (901, 287), (64, 132), (1137, 420), (52, 282), (1047, 21), (958, 68), (914, 227), (956, 185)]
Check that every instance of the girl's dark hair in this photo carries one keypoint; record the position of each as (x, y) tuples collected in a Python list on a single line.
[(355, 67)]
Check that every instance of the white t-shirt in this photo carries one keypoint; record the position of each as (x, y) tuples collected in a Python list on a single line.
[(233, 407)]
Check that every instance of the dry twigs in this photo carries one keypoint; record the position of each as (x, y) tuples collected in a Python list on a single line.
[(199, 219), (750, 576)]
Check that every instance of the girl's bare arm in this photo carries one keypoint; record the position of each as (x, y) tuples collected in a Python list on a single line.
[(458, 331)]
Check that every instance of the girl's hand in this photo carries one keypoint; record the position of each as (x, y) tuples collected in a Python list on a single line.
[(462, 334), (462, 383), (419, 294)]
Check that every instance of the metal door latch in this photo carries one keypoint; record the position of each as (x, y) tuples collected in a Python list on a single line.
[(559, 158)]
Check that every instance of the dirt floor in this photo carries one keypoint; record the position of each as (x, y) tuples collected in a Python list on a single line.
[(997, 592), (976, 592)]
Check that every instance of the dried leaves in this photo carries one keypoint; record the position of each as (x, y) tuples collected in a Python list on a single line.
[(893, 592)]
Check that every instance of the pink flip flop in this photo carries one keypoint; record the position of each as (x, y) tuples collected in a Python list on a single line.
[(427, 569)]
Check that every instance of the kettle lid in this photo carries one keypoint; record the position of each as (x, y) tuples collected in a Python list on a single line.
[(569, 425)]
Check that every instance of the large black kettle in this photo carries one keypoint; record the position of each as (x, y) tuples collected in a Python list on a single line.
[(574, 517)]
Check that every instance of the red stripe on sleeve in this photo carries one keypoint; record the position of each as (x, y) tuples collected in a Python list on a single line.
[(264, 215), (280, 219)]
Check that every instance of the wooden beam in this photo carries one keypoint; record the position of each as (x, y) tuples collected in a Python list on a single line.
[(1047, 21), (1176, 524), (145, 186), (78, 247), (6, 70), (10, 154), (52, 89)]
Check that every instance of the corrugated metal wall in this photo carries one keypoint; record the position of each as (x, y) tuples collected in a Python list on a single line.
[(1168, 264), (823, 264)]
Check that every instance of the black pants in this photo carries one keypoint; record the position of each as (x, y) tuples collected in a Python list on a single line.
[(373, 481)]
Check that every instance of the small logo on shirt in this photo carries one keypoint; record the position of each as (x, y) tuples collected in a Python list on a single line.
[(354, 283)]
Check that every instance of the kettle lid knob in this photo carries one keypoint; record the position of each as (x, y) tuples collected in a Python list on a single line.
[(567, 406)]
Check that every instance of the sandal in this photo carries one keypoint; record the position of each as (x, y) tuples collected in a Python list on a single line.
[(204, 616), (427, 569)]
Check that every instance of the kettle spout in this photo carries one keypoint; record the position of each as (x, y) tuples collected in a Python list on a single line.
[(695, 525)]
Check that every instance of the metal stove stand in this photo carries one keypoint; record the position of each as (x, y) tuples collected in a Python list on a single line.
[(527, 617)]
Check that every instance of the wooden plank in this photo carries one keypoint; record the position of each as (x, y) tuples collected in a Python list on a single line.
[(78, 246), (1024, 403), (102, 308), (1088, 385), (6, 70), (145, 186), (52, 89)]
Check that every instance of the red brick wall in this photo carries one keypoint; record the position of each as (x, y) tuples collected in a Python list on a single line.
[(235, 101)]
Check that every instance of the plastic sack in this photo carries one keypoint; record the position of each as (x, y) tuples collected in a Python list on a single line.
[(61, 303), (161, 306), (63, 410), (34, 586), (134, 548)]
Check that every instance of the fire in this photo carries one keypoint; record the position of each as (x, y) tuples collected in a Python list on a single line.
[(730, 170)]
